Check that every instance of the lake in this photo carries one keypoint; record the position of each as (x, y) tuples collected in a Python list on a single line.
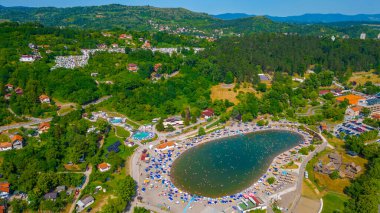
[(229, 165)]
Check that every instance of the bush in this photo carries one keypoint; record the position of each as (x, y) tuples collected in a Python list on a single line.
[(271, 180), (334, 175)]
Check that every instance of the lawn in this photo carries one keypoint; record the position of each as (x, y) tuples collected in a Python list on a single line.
[(362, 77), (222, 91), (333, 202), (121, 132), (4, 138), (124, 150)]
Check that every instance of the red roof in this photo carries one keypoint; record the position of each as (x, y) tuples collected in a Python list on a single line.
[(8, 85), (2, 209), (208, 112), (4, 187), (17, 137), (43, 97), (44, 125), (324, 92), (5, 145), (164, 145), (103, 166)]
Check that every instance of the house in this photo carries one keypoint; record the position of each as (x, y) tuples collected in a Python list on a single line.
[(146, 45), (4, 190), (94, 74), (156, 76), (19, 91), (60, 189), (2, 209), (44, 99), (17, 142), (9, 87), (354, 111), (336, 159), (363, 36), (352, 99), (133, 67), (323, 127), (7, 96), (85, 202), (51, 196), (208, 113), (5, 146), (102, 46), (106, 34), (166, 146), (27, 58), (323, 92), (43, 127), (125, 36), (157, 67), (114, 45), (354, 168), (103, 167)]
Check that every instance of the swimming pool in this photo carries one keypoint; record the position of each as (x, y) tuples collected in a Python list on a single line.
[(116, 120), (142, 135)]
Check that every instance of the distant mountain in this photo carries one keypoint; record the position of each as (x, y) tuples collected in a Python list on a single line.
[(231, 16), (327, 18), (309, 18), (183, 21)]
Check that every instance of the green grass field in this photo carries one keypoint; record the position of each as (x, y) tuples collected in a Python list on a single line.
[(121, 132), (333, 202)]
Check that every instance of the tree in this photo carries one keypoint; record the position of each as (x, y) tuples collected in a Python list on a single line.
[(140, 210), (126, 188), (366, 112), (247, 117), (334, 175), (271, 180), (229, 79), (160, 126), (201, 131)]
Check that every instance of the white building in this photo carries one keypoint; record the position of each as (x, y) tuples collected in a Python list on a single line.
[(363, 36), (26, 58), (85, 202)]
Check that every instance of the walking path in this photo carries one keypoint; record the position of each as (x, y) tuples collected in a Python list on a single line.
[(87, 174)]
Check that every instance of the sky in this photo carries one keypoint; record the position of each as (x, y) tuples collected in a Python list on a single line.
[(255, 7)]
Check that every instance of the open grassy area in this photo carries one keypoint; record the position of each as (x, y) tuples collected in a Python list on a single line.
[(121, 132), (308, 190), (222, 91), (4, 138), (362, 77), (333, 202)]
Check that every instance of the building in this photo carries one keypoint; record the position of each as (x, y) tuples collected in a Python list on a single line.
[(173, 121), (376, 116), (19, 91), (60, 189), (4, 190), (125, 36), (352, 99), (363, 36), (373, 104), (9, 87), (323, 127), (44, 99), (27, 58), (5, 146), (43, 127), (157, 67), (85, 202), (354, 111), (7, 96), (17, 142), (114, 45), (103, 167), (208, 113), (133, 67), (166, 146), (51, 196), (324, 92)]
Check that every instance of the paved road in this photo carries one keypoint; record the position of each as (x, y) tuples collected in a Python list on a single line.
[(87, 174), (302, 171), (100, 100)]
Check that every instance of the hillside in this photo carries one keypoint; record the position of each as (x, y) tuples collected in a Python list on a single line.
[(108, 16), (182, 21)]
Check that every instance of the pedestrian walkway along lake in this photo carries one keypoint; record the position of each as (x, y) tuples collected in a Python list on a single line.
[(229, 165)]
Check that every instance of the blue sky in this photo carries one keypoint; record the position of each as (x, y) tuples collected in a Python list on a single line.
[(257, 7)]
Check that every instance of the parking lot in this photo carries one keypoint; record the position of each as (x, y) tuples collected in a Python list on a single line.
[(352, 128)]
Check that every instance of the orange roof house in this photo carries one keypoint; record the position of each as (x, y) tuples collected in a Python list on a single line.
[(166, 145), (4, 188), (103, 167), (44, 127), (352, 99), (44, 99), (5, 146), (17, 138)]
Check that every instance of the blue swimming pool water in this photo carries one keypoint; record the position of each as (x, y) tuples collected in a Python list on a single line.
[(142, 135), (116, 120)]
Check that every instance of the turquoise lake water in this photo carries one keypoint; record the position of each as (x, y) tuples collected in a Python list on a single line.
[(229, 165)]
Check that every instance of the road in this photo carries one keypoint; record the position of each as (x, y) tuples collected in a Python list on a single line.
[(35, 121), (87, 173), (302, 170)]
